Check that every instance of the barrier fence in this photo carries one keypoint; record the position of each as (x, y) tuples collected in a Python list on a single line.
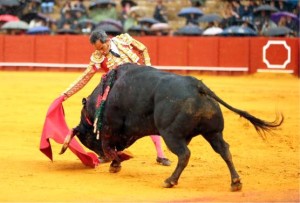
[(220, 54)]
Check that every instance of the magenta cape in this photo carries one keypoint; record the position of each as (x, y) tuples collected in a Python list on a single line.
[(55, 127)]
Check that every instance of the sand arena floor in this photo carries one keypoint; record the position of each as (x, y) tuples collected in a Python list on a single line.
[(269, 169)]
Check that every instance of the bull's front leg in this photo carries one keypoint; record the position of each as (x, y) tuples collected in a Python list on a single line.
[(111, 154)]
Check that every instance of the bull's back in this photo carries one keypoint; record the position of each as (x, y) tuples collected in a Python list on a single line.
[(156, 98)]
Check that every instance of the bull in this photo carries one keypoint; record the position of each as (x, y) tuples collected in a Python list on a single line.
[(145, 101)]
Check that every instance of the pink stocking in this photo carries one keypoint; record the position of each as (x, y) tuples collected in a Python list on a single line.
[(157, 142)]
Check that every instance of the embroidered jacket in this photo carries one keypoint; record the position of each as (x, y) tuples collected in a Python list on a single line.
[(129, 50)]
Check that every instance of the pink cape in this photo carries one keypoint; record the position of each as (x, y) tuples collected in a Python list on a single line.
[(55, 127)]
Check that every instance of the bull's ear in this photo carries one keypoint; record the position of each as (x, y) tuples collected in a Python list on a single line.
[(83, 101)]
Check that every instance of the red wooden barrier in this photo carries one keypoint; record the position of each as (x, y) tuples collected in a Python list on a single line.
[(18, 49), (250, 54), (49, 49), (1, 48), (275, 54), (204, 51)]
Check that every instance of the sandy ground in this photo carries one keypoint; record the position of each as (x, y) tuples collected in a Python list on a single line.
[(269, 169)]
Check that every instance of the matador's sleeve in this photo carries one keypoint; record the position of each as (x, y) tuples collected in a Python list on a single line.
[(143, 49), (79, 83)]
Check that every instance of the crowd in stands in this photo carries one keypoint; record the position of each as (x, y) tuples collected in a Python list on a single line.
[(81, 17)]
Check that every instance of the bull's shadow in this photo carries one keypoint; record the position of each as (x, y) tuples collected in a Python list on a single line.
[(145, 101)]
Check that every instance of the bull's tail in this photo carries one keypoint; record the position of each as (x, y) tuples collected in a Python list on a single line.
[(260, 125)]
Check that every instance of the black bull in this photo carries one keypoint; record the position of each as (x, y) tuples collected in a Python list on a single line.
[(145, 101)]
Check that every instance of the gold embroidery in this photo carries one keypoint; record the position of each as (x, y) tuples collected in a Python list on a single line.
[(97, 57), (81, 81)]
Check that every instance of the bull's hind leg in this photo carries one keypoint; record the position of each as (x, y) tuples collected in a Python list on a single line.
[(221, 147), (178, 147)]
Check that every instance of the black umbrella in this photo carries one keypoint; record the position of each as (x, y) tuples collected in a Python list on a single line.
[(139, 28), (33, 15), (101, 3), (238, 31), (115, 23), (278, 31), (265, 7), (132, 3), (189, 30), (210, 18), (84, 22), (147, 20), (9, 3), (240, 22), (110, 26), (185, 12), (64, 31)]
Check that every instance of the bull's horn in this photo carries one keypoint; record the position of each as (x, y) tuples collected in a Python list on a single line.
[(66, 143)]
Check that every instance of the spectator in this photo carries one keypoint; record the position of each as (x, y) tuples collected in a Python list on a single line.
[(297, 10), (31, 7), (197, 3), (266, 23), (125, 10), (66, 7), (47, 6), (103, 12), (79, 4), (246, 10), (132, 20), (66, 21), (229, 15), (160, 12)]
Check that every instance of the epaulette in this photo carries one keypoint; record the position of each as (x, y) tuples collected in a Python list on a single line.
[(125, 39), (96, 57)]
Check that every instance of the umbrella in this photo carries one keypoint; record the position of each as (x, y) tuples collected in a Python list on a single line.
[(277, 31), (147, 20), (212, 31), (160, 27), (112, 22), (240, 22), (265, 7), (238, 31), (185, 12), (132, 3), (38, 30), (15, 25), (110, 29), (8, 18), (189, 30), (33, 15), (66, 32), (74, 10), (210, 18), (137, 10), (101, 3), (84, 22), (276, 16), (139, 28), (9, 3)]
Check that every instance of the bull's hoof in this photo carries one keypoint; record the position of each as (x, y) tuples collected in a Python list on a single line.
[(169, 184), (114, 169), (236, 185)]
